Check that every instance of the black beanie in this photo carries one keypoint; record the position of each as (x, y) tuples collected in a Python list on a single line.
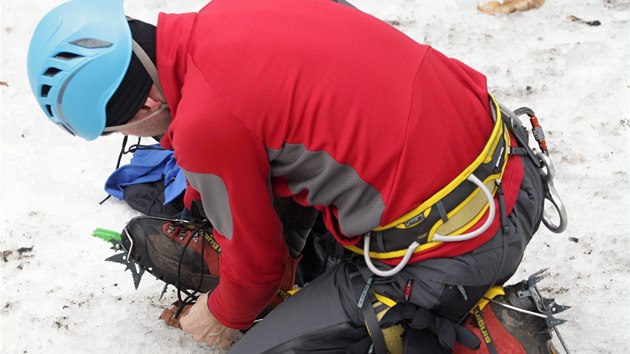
[(135, 86)]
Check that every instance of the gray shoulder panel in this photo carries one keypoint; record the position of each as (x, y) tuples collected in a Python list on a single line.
[(214, 197)]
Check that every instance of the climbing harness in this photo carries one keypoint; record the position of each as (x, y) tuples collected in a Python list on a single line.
[(450, 213), (447, 215), (544, 308)]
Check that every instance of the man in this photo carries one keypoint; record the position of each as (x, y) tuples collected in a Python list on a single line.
[(399, 147)]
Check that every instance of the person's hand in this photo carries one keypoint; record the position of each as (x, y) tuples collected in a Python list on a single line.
[(204, 328)]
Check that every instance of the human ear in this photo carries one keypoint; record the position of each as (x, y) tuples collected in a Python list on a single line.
[(152, 104), (154, 93)]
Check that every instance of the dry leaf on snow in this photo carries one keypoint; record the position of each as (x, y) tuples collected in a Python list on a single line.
[(509, 6)]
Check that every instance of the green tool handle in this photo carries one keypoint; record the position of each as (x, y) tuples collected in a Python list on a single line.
[(106, 235)]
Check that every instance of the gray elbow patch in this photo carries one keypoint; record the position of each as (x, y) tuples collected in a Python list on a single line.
[(214, 197), (329, 182)]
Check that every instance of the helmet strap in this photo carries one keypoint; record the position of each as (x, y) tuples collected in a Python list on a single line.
[(148, 65)]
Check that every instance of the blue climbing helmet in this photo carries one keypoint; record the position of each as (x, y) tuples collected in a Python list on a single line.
[(77, 59)]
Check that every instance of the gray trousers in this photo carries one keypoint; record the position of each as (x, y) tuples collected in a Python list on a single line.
[(323, 316)]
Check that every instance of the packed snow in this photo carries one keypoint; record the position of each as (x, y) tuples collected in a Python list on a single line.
[(58, 295)]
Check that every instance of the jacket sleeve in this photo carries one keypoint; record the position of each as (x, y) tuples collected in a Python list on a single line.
[(228, 166)]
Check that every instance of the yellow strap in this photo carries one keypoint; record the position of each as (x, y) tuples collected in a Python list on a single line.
[(385, 300), (494, 291), (483, 157), (393, 335), (439, 223), (392, 254)]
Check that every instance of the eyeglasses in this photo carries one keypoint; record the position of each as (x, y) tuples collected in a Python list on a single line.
[(117, 128)]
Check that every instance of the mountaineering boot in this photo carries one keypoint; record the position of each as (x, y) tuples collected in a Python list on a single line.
[(504, 330), (171, 250)]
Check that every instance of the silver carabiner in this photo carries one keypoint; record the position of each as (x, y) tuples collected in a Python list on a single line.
[(548, 172)]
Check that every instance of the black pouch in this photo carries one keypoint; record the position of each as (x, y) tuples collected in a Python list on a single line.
[(148, 198)]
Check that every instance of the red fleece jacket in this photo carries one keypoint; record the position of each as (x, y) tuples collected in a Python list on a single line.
[(320, 102)]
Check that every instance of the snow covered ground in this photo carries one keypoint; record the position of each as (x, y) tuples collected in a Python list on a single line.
[(57, 294)]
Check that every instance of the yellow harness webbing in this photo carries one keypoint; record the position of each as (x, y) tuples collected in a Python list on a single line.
[(452, 210)]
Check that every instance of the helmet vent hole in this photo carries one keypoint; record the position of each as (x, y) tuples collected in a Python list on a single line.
[(67, 56), (45, 90), (91, 43), (49, 110), (52, 72)]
